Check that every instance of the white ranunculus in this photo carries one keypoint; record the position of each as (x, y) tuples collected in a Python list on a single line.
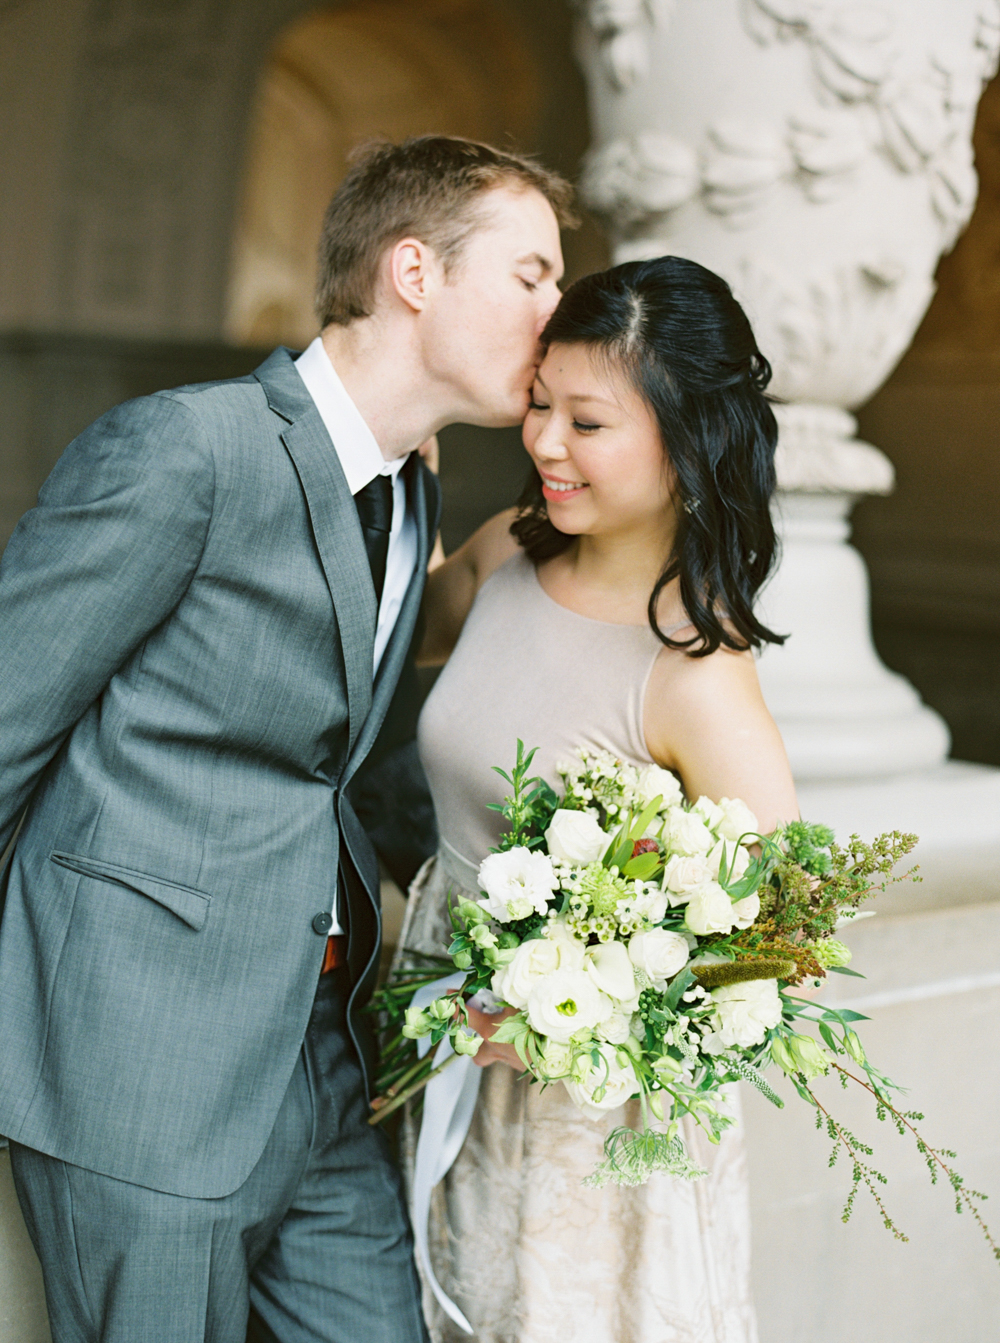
[(686, 832), (746, 910), (727, 861), (572, 949), (565, 1002), (659, 953), (517, 883), (532, 960), (747, 1011), (576, 837), (709, 910), (611, 970), (618, 1081), (654, 781), (616, 1029), (737, 819), (709, 811), (684, 872)]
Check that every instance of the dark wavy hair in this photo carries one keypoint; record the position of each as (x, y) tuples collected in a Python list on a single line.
[(677, 333)]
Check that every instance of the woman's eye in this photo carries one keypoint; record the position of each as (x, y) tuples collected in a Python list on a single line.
[(582, 428), (536, 405)]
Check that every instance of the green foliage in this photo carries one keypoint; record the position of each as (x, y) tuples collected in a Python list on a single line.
[(630, 1158), (528, 809)]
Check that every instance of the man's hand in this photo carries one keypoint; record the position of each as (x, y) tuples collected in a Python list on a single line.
[(485, 1024)]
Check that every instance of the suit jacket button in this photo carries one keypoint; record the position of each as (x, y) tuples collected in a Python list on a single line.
[(322, 923)]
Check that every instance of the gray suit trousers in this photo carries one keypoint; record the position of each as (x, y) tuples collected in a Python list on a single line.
[(316, 1239)]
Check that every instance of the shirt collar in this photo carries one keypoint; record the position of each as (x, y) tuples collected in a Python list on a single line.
[(360, 455)]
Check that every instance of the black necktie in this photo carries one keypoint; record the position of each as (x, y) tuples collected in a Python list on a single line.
[(374, 504)]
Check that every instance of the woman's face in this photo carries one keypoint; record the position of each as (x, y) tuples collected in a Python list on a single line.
[(597, 448)]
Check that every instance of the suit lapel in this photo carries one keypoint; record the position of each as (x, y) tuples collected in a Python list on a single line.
[(335, 526), (422, 499)]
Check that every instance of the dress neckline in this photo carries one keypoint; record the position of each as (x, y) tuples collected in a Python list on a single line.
[(591, 620)]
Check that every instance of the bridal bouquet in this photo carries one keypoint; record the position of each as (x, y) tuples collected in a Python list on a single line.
[(649, 948)]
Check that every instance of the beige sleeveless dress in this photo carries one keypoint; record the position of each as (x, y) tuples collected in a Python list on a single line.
[(527, 1252)]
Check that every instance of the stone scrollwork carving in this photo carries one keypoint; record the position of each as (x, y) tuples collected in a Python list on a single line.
[(923, 104), (620, 27), (637, 179)]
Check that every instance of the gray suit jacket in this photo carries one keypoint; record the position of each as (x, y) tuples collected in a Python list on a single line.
[(186, 633)]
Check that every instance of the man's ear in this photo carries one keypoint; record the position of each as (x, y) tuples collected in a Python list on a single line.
[(413, 272)]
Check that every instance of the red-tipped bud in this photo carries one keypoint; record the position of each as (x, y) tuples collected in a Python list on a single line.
[(643, 846)]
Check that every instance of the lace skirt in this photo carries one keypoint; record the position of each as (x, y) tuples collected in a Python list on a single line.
[(531, 1256)]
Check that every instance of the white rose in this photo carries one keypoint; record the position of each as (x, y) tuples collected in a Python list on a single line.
[(709, 910), (532, 960), (557, 1059), (571, 948), (686, 832), (746, 910), (728, 861), (747, 1011), (653, 781), (517, 883), (565, 1002), (659, 953), (576, 837), (709, 811), (737, 819), (617, 1080), (684, 872), (611, 970), (616, 1029)]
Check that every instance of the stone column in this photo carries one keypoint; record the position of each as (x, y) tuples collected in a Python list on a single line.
[(817, 154)]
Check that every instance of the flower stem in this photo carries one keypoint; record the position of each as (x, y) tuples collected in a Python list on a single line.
[(393, 1103)]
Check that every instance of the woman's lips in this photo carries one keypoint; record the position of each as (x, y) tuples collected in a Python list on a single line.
[(553, 488)]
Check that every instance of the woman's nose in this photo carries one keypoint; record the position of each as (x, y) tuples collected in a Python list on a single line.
[(549, 444)]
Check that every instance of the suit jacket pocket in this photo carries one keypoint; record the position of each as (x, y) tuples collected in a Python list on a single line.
[(189, 904)]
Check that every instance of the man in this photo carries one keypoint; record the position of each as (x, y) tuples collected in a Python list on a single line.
[(200, 634)]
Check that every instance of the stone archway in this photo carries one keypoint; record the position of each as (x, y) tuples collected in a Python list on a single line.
[(336, 78)]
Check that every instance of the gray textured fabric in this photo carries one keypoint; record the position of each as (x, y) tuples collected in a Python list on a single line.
[(317, 1234), (186, 631)]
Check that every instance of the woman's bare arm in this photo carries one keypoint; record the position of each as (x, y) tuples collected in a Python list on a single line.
[(452, 586), (706, 719)]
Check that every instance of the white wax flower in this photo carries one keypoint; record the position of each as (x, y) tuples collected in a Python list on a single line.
[(684, 872), (709, 811), (709, 910), (571, 948), (565, 1002), (746, 910), (747, 1011), (686, 832), (533, 959), (659, 953), (654, 781), (517, 883), (727, 861), (737, 819), (618, 1080), (576, 837), (611, 970)]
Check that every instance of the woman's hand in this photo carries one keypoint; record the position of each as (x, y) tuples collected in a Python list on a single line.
[(484, 1024)]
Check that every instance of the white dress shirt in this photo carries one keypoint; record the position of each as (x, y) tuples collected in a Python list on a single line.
[(361, 460)]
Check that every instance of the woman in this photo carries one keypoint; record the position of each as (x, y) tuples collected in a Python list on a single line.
[(613, 608)]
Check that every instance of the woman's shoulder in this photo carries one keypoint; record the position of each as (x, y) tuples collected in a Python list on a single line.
[(692, 695)]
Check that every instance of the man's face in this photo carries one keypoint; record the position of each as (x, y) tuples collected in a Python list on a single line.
[(479, 335)]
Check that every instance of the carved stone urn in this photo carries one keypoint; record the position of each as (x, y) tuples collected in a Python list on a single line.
[(817, 154)]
